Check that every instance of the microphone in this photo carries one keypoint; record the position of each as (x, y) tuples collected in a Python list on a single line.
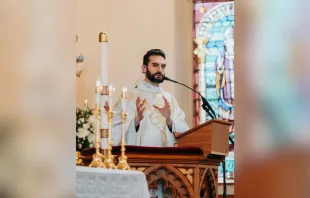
[(205, 104)]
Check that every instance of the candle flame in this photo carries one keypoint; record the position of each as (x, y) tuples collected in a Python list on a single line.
[(124, 92), (98, 83), (110, 90), (85, 104)]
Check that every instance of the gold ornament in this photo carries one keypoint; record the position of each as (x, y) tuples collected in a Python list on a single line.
[(78, 161), (103, 37)]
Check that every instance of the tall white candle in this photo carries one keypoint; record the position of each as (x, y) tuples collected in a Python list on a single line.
[(98, 84), (103, 40), (123, 101), (104, 116), (110, 96), (104, 143)]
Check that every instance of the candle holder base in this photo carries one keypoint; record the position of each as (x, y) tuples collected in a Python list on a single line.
[(97, 162), (122, 163), (109, 162), (78, 160)]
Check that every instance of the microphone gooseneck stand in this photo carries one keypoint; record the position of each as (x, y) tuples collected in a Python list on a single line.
[(205, 104)]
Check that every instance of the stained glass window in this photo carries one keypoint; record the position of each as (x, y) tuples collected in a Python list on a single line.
[(214, 36)]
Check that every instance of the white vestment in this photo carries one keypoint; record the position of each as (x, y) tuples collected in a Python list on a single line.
[(153, 129)]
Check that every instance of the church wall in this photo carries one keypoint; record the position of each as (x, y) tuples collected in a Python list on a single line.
[(184, 55), (133, 28)]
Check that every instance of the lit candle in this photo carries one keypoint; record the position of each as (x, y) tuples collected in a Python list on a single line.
[(98, 84), (103, 40), (85, 104), (124, 90)]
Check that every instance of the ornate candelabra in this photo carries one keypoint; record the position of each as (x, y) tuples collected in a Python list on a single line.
[(104, 117), (122, 160)]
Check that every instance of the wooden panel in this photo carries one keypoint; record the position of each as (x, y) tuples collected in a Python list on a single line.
[(220, 139), (200, 138), (211, 137)]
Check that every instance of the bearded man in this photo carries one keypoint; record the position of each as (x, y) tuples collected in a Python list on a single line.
[(153, 114)]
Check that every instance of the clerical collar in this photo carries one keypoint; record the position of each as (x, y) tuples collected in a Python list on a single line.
[(148, 87)]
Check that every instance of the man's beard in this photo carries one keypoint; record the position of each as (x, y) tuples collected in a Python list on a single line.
[(152, 77)]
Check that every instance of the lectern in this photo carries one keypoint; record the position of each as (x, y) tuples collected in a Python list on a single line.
[(188, 170), (211, 137)]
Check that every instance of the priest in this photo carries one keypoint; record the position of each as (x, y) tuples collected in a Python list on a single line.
[(153, 114)]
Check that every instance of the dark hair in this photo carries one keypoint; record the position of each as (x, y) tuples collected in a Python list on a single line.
[(152, 52)]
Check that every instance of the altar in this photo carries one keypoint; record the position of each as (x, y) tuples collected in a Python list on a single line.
[(188, 170), (103, 183)]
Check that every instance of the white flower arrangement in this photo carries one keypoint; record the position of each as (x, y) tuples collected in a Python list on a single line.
[(85, 129)]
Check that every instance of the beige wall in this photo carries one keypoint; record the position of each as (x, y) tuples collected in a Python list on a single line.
[(133, 28)]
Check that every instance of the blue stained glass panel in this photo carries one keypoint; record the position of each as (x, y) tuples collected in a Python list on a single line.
[(215, 45)]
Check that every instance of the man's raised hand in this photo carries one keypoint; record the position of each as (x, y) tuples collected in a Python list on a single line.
[(140, 110), (165, 111)]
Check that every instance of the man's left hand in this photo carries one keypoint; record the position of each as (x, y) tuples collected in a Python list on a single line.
[(165, 111)]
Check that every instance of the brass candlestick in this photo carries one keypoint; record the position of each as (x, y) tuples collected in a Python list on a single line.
[(122, 160), (97, 157), (78, 160), (109, 158)]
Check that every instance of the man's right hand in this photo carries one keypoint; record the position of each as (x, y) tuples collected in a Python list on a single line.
[(140, 110)]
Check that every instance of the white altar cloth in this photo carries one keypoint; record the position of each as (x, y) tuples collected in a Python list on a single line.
[(102, 183)]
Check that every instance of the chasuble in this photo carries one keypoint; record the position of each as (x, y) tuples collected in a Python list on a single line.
[(153, 129)]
